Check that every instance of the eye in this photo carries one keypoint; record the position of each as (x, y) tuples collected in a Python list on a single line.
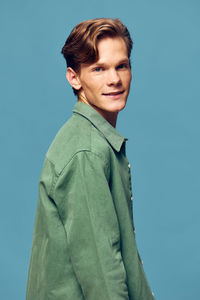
[(122, 66), (98, 69)]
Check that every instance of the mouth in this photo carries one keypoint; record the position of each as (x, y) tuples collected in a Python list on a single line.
[(115, 93)]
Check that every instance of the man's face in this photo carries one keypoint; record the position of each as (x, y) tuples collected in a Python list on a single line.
[(105, 84)]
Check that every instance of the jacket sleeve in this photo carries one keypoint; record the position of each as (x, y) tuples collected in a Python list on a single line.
[(84, 201)]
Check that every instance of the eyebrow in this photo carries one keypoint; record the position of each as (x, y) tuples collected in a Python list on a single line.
[(101, 64)]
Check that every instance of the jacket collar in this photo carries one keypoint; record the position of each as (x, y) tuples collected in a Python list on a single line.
[(109, 132)]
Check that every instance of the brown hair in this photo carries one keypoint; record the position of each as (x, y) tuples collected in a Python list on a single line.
[(81, 45)]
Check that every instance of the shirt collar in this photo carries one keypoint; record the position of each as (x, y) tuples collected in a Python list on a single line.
[(112, 136)]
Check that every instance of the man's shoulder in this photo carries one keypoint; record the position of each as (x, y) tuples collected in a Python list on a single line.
[(77, 135)]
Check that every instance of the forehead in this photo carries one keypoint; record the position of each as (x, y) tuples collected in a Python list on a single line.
[(111, 49), (111, 52)]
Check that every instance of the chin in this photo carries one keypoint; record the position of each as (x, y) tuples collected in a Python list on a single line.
[(118, 107)]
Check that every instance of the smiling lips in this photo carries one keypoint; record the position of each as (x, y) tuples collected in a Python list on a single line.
[(114, 94)]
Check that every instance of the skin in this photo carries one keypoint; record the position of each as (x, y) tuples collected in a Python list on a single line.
[(105, 84)]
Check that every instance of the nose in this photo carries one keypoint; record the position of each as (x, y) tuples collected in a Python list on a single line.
[(113, 78)]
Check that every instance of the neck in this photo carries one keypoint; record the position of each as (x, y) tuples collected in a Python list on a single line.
[(111, 117)]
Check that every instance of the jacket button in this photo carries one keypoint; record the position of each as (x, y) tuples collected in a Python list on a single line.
[(129, 166), (131, 198)]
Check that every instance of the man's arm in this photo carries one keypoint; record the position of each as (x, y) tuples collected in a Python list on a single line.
[(86, 208)]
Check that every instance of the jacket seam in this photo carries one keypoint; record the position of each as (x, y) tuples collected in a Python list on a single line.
[(56, 174)]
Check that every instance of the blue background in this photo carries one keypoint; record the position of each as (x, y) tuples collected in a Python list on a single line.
[(161, 121)]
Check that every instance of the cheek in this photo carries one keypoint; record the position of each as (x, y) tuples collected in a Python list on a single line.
[(92, 84), (127, 79), (87, 86), (95, 85)]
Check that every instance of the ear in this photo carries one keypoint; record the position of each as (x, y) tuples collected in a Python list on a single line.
[(73, 78)]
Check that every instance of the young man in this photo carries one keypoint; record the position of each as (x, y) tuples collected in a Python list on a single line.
[(84, 242)]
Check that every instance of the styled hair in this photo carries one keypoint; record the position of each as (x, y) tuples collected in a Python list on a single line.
[(81, 45)]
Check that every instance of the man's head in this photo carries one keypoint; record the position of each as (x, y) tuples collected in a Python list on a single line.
[(81, 45), (97, 53)]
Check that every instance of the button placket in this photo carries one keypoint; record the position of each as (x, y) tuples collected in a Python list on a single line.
[(129, 167), (131, 198), (131, 195)]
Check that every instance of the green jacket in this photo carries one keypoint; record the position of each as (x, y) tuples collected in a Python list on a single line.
[(84, 242)]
